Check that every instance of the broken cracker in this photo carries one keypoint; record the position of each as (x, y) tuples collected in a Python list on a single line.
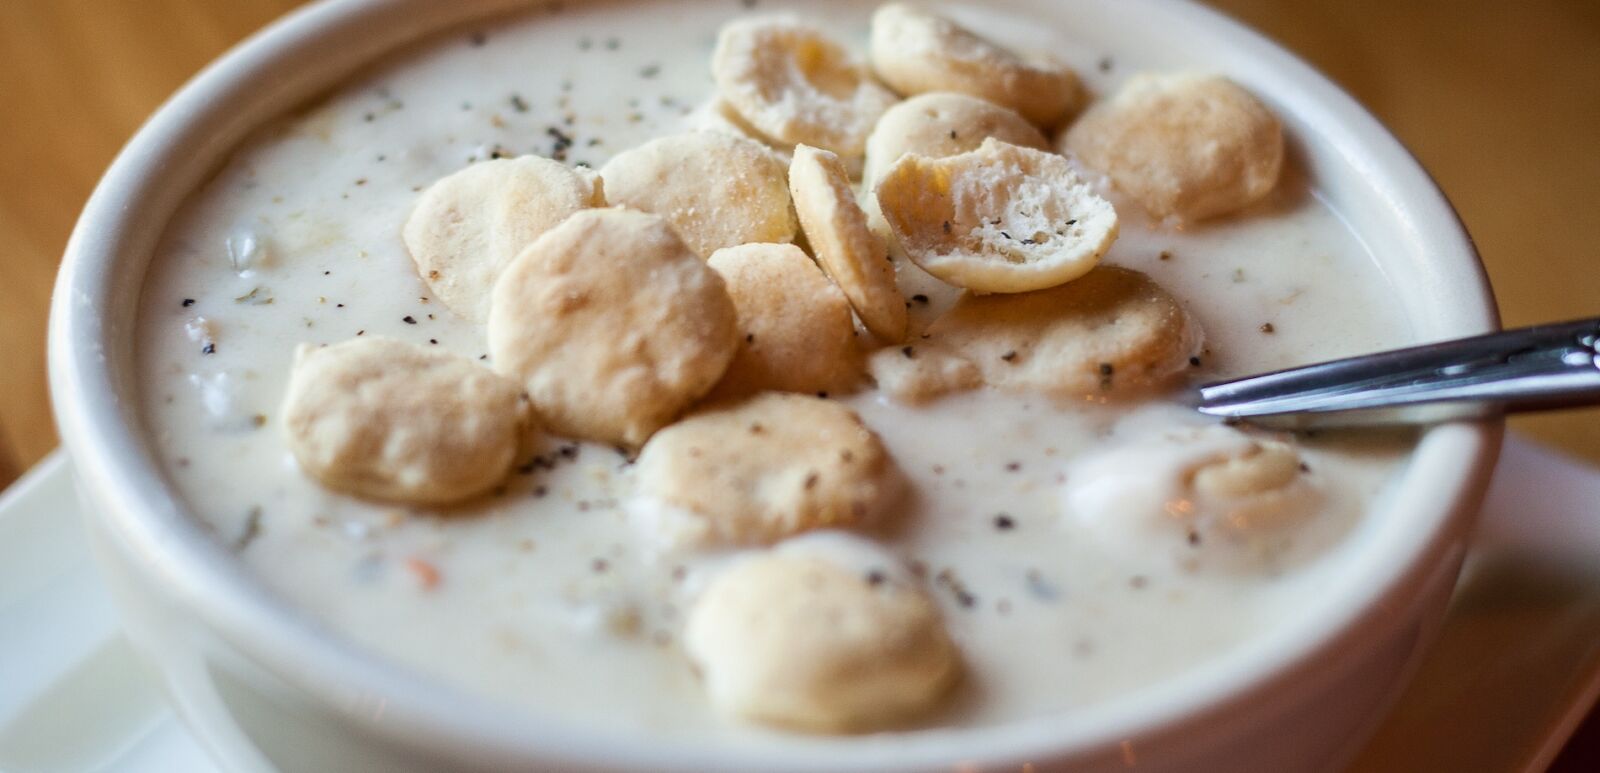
[(1000, 219)]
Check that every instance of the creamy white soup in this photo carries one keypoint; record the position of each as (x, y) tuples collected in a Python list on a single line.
[(1036, 525)]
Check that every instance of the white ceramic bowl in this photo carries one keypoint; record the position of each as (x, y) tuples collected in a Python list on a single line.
[(265, 687)]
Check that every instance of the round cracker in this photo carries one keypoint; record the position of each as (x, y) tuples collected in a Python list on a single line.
[(854, 257), (389, 420), (467, 227), (1184, 145), (794, 84), (943, 124), (917, 52), (794, 325), (1112, 332), (804, 643), (999, 219), (718, 190), (612, 325), (769, 467)]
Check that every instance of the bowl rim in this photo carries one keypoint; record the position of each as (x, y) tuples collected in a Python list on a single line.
[(91, 313)]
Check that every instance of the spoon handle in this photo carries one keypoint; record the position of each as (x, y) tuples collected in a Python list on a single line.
[(1533, 368)]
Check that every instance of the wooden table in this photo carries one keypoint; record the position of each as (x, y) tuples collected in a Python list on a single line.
[(1501, 101)]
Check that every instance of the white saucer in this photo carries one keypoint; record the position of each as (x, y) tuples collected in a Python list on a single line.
[(1515, 671)]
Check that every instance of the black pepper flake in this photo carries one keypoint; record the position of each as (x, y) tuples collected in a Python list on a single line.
[(568, 452), (1013, 466), (518, 103), (599, 565), (812, 478), (187, 302), (823, 395), (953, 134), (1009, 356), (1266, 327), (563, 142), (876, 577), (1165, 255), (1006, 235), (1194, 538), (477, 39), (209, 348), (1004, 522), (361, 332), (369, 118), (947, 226), (409, 320), (1194, 362), (433, 341), (539, 491), (920, 298), (909, 351), (748, 4), (1305, 467), (947, 579), (749, 338), (1105, 64)]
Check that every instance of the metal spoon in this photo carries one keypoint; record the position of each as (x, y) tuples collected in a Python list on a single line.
[(1533, 368)]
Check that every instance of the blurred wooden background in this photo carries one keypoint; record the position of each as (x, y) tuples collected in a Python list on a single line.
[(1501, 102)]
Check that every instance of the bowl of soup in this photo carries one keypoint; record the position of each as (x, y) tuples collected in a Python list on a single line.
[(724, 386)]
